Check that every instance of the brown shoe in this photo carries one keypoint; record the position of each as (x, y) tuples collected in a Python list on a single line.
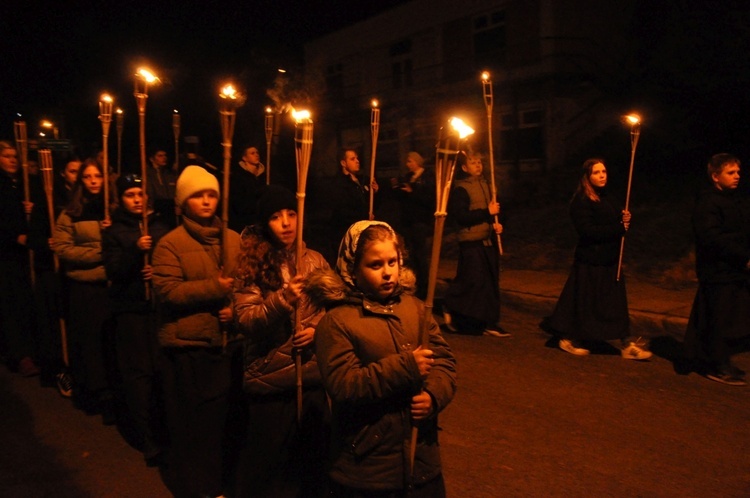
[(27, 367)]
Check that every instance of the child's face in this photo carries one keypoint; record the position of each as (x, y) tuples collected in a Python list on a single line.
[(728, 178), (377, 273), (283, 226), (92, 179), (473, 166), (202, 205), (132, 200)]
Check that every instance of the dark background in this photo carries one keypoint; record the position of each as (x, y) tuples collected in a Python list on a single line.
[(691, 81)]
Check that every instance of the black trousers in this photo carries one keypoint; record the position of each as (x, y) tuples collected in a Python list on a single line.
[(198, 390)]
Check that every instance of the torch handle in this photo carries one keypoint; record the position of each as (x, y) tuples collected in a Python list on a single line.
[(634, 135)]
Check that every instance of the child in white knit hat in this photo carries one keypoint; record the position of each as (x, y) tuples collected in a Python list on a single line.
[(193, 282)]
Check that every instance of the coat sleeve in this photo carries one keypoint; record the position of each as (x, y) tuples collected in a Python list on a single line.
[(63, 243), (258, 315), (348, 379), (711, 233), (441, 382), (171, 286)]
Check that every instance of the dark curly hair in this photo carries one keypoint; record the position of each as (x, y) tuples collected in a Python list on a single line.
[(260, 260)]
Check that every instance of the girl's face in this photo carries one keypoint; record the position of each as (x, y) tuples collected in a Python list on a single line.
[(201, 205), (92, 180), (9, 160), (283, 226), (598, 177), (377, 272), (412, 165), (132, 200)]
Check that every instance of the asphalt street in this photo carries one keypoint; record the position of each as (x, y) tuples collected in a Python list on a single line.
[(528, 420)]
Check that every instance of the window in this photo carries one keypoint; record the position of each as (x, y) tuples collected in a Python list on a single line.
[(335, 79), (522, 135), (401, 64), (489, 40)]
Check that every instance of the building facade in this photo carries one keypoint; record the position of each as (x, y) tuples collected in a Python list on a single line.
[(558, 70)]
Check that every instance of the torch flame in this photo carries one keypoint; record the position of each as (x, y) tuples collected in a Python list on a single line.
[(118, 111), (485, 75), (462, 128), (147, 75), (106, 98), (269, 110), (375, 103), (229, 92), (300, 116), (46, 124), (633, 119)]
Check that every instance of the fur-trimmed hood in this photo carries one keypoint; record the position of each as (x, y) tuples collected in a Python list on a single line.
[(326, 289)]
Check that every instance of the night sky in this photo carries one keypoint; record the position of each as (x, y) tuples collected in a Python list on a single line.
[(692, 70), (59, 57)]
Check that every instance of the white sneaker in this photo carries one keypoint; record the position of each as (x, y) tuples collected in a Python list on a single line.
[(448, 319), (568, 346), (636, 351)]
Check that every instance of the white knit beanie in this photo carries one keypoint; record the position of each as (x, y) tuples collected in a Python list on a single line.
[(193, 179)]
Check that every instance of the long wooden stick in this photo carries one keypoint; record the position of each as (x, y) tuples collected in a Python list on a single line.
[(22, 143), (120, 126), (105, 116), (176, 133), (488, 103), (141, 95), (445, 166), (303, 138), (635, 133), (230, 100), (45, 166), (269, 138), (374, 128)]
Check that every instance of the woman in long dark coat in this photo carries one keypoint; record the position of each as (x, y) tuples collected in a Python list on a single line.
[(593, 305)]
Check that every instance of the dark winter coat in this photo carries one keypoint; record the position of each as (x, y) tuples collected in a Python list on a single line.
[(187, 264), (600, 229), (12, 219), (721, 224), (265, 319), (350, 202), (365, 356), (123, 260)]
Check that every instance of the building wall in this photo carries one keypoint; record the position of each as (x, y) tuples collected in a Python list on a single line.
[(556, 67)]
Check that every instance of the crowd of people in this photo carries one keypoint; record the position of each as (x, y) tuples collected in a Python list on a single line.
[(249, 364)]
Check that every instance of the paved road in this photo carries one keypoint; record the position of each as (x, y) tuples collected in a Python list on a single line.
[(528, 420)]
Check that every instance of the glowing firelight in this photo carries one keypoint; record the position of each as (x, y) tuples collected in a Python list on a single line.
[(633, 119), (462, 128), (106, 98), (269, 110), (118, 111), (229, 92), (301, 116), (147, 75), (374, 104), (485, 75)]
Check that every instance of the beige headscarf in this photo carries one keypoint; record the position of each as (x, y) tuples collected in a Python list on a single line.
[(348, 248)]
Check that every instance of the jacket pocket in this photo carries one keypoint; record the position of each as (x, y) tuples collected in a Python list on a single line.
[(371, 437)]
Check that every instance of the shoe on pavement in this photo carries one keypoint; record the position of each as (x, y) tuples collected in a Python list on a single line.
[(569, 347), (726, 378), (64, 385), (27, 367), (636, 351), (496, 331), (448, 319)]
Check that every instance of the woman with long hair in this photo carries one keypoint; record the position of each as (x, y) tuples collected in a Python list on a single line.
[(282, 458), (593, 305), (77, 241)]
